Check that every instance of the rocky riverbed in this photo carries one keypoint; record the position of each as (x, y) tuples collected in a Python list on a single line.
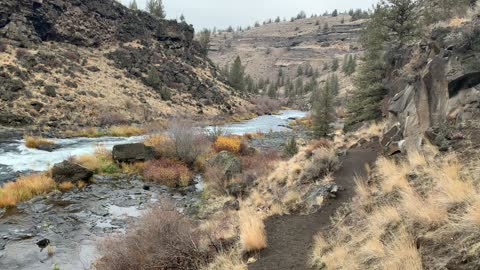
[(75, 220)]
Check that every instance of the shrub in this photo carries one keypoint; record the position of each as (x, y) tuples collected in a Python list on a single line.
[(164, 239), (112, 118), (167, 172), (125, 131), (3, 47), (231, 144), (35, 142), (323, 162), (163, 145), (265, 104), (72, 56), (189, 142), (291, 148), (25, 188)]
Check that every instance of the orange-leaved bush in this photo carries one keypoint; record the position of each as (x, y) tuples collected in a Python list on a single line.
[(230, 144)]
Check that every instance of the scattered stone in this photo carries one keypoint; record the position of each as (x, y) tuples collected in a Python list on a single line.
[(93, 69), (232, 205), (50, 90), (67, 171), (48, 147)]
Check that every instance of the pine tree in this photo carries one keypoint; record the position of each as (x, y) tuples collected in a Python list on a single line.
[(277, 20), (133, 5), (204, 41), (155, 7), (401, 19), (182, 18), (322, 111), (236, 74), (272, 91), (335, 13), (325, 28)]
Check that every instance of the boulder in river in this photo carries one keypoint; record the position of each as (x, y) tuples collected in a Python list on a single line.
[(132, 152), (227, 162), (68, 171)]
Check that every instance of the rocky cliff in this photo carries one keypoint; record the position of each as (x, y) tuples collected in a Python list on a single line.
[(434, 89), (75, 63), (286, 45)]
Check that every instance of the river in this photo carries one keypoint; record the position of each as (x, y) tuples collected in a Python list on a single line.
[(15, 157)]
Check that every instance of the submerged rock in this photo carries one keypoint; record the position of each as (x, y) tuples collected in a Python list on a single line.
[(67, 171)]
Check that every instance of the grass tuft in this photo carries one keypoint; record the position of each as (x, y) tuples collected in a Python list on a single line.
[(25, 188), (35, 142)]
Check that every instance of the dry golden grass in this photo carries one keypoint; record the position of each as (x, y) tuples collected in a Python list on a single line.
[(252, 231), (402, 253), (229, 259), (35, 142), (100, 162), (393, 175), (125, 131), (65, 186), (81, 184), (381, 234), (25, 188), (133, 168)]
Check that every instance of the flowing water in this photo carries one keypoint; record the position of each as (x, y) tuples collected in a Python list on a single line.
[(15, 157)]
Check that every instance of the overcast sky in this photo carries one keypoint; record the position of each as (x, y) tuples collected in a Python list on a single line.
[(222, 13)]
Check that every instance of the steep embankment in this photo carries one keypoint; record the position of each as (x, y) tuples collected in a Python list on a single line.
[(71, 64), (286, 45)]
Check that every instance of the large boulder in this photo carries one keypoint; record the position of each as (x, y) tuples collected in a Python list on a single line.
[(132, 152), (67, 171), (227, 162)]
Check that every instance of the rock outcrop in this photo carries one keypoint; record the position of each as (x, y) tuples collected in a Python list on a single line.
[(134, 152), (436, 89)]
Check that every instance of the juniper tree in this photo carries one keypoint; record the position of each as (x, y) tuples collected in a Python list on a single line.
[(155, 7), (335, 64), (322, 111), (325, 28), (365, 100), (236, 74), (204, 41)]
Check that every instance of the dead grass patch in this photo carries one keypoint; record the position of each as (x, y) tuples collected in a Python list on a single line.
[(35, 142), (25, 188), (252, 231)]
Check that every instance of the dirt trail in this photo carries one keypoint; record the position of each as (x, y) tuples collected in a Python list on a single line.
[(290, 238)]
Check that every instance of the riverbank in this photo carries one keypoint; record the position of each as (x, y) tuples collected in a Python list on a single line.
[(74, 220)]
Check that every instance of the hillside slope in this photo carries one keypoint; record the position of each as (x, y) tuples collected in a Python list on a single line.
[(286, 45), (71, 64)]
